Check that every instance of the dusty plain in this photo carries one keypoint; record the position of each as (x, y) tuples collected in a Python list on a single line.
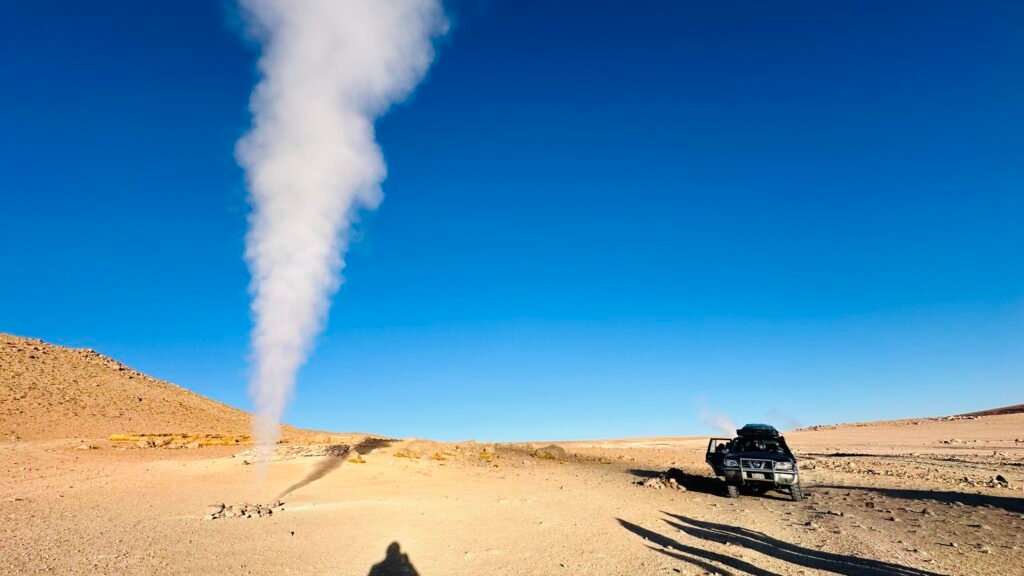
[(910, 498)]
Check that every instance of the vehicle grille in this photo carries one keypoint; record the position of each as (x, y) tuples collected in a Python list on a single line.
[(766, 465)]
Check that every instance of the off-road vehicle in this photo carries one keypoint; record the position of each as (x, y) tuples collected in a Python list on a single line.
[(757, 459)]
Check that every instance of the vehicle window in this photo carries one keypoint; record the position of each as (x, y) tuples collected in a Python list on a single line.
[(761, 446)]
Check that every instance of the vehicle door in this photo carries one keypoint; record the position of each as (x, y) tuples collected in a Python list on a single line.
[(715, 456)]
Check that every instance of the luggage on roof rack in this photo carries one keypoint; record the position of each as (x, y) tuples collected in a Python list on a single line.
[(758, 431)]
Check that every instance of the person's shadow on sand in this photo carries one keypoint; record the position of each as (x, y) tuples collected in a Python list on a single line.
[(395, 563)]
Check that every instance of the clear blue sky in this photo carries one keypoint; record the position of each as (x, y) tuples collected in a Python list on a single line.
[(601, 218)]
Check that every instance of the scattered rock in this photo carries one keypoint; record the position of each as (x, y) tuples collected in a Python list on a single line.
[(145, 444), (666, 480), (551, 452), (1002, 481), (291, 452), (655, 483), (193, 445), (219, 511)]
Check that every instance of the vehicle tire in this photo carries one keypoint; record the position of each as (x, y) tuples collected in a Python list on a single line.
[(796, 492), (732, 491)]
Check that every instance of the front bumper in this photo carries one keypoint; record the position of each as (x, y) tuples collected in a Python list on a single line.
[(743, 476)]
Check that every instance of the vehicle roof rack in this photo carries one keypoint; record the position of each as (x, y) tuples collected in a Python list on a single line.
[(758, 431)]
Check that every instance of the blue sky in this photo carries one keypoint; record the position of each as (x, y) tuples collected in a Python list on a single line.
[(601, 219)]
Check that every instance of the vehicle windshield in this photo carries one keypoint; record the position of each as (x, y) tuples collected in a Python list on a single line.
[(759, 445)]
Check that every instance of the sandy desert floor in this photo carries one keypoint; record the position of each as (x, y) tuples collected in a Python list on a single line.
[(904, 498)]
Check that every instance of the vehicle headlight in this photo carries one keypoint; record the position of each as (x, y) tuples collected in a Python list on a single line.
[(732, 463), (783, 465)]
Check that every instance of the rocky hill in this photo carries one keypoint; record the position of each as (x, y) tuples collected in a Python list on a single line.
[(50, 392), (1015, 409)]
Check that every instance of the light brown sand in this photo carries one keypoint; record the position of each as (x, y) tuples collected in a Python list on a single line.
[(123, 510), (480, 509)]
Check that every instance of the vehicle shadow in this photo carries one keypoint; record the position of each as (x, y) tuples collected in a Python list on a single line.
[(395, 563), (333, 462), (1007, 503), (693, 555), (708, 484), (692, 482), (847, 565)]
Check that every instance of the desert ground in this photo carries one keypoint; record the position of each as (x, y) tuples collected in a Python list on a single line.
[(108, 471)]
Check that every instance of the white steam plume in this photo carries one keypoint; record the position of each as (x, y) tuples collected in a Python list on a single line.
[(719, 421), (329, 69)]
